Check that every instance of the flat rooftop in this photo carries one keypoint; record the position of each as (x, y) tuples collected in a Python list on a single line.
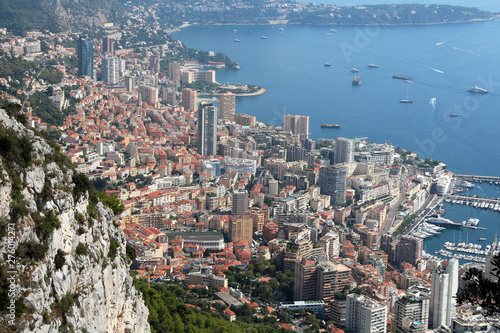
[(208, 236)]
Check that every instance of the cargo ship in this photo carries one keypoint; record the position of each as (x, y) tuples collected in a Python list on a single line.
[(330, 125), (402, 77)]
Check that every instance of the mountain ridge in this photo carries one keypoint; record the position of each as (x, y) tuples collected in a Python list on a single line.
[(58, 15), (68, 258)]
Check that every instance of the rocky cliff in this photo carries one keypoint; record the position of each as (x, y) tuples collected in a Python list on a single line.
[(67, 257), (58, 15), (74, 15)]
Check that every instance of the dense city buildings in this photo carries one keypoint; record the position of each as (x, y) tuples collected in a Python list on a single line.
[(334, 227), (244, 120)]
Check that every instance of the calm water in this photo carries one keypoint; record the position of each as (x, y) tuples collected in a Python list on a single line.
[(444, 60)]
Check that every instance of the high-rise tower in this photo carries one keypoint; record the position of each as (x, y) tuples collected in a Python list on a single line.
[(227, 106), (85, 56), (207, 129), (296, 124), (110, 73), (344, 150), (333, 182), (108, 46), (444, 289), (189, 99)]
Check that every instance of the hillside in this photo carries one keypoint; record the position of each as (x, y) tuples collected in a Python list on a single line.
[(64, 261), (313, 13), (58, 15)]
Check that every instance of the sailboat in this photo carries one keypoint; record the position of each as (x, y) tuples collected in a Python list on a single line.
[(407, 100)]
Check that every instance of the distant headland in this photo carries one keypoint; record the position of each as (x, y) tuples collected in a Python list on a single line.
[(292, 13)]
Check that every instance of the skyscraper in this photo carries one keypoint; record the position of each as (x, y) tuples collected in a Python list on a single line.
[(239, 203), (414, 307), (333, 182), (296, 124), (85, 56), (319, 280), (227, 106), (174, 71), (344, 150), (110, 73), (306, 281), (444, 288), (409, 249), (154, 63), (365, 315), (241, 228), (189, 99), (149, 95), (108, 46), (130, 83), (207, 129)]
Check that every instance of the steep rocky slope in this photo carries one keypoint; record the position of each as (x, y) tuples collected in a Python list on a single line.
[(72, 270), (73, 15), (58, 15)]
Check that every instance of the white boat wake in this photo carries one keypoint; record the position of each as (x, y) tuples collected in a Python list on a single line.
[(470, 51), (435, 70)]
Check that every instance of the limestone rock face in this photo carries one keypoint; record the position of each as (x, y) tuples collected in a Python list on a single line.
[(71, 15), (105, 299)]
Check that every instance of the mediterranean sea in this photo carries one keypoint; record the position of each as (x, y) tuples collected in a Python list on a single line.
[(443, 60)]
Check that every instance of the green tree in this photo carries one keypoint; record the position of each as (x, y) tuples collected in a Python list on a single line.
[(481, 291)]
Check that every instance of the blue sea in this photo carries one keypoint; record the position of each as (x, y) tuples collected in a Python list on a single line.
[(444, 61)]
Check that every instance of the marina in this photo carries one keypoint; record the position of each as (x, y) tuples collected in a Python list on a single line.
[(425, 230), (476, 202), (458, 256)]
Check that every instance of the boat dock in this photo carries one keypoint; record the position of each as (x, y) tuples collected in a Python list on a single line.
[(477, 202), (475, 178), (473, 227)]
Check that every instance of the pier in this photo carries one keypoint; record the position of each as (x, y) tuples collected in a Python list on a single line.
[(478, 201), (475, 178)]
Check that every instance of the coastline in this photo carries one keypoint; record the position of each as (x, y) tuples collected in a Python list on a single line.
[(261, 91), (179, 28), (184, 25)]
